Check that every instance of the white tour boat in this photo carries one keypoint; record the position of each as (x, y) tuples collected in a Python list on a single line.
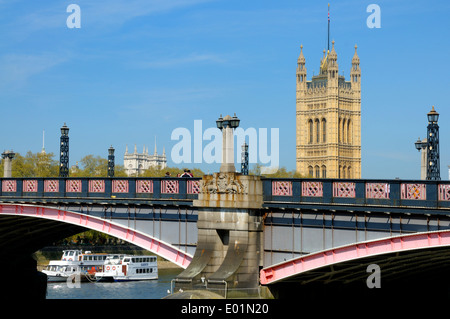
[(74, 262), (128, 268)]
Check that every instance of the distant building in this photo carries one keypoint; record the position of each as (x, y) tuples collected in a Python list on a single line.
[(136, 163), (329, 120)]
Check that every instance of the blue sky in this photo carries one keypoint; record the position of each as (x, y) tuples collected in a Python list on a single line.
[(138, 69)]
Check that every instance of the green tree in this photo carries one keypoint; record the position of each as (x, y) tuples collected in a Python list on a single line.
[(92, 166), (34, 165)]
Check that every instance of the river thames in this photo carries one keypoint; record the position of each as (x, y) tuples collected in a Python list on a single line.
[(146, 289)]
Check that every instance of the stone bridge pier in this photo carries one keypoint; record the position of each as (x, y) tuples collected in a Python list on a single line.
[(229, 250)]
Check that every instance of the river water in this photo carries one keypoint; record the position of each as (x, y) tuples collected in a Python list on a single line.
[(146, 289)]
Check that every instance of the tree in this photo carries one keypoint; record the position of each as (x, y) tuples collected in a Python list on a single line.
[(34, 165), (92, 166)]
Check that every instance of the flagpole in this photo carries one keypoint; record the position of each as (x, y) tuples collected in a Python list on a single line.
[(328, 27)]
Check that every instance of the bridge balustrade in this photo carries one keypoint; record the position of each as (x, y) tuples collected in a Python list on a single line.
[(431, 194), (116, 188), (277, 191)]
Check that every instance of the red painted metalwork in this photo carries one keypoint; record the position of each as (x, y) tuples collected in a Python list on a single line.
[(140, 239), (337, 255)]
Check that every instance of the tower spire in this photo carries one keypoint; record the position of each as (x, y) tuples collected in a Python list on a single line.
[(43, 142)]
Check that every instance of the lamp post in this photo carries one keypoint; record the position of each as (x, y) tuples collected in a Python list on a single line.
[(64, 152), (111, 162), (430, 147), (226, 125), (244, 159), (433, 163), (7, 163), (421, 146)]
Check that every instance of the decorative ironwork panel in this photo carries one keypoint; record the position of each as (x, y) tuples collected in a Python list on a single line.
[(144, 186), (312, 189), (378, 190), (51, 186), (9, 186), (344, 189), (73, 186), (30, 186), (120, 186), (414, 191), (97, 186), (281, 188), (193, 187), (444, 192), (169, 187)]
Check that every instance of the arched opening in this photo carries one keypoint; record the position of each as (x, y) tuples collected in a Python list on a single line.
[(324, 130), (311, 128), (310, 171), (349, 132), (324, 171), (317, 131)]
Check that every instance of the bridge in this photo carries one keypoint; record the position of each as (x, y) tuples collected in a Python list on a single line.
[(241, 232)]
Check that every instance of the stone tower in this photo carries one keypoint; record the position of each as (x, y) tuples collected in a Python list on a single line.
[(328, 119)]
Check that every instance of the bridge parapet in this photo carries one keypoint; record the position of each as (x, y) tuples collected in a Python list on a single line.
[(277, 192), (358, 192), (102, 187)]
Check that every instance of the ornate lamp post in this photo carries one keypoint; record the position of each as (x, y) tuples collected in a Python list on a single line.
[(64, 152), (226, 125), (111, 162), (430, 146), (244, 159), (433, 163)]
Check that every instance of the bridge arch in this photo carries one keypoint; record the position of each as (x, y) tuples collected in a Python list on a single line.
[(135, 237), (411, 245)]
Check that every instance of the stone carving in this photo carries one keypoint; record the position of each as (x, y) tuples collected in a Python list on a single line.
[(223, 183)]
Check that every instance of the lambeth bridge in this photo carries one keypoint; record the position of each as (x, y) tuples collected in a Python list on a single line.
[(303, 232)]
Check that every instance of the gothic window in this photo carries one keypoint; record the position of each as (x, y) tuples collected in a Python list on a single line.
[(317, 171), (324, 171), (310, 171), (340, 131), (349, 133), (344, 131), (324, 130), (317, 131), (311, 136)]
